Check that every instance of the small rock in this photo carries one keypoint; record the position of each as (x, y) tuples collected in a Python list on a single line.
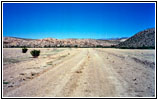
[(10, 86), (29, 77), (33, 73), (22, 73), (78, 71)]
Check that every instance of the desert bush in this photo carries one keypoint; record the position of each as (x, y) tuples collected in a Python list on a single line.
[(24, 50), (4, 82), (35, 53), (75, 46)]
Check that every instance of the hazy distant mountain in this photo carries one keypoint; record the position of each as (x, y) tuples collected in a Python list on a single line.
[(51, 42), (144, 38), (114, 38)]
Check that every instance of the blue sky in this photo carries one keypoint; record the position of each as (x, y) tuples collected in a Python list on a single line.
[(76, 20)]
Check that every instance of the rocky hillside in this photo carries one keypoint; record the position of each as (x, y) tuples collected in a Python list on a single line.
[(51, 42), (144, 38)]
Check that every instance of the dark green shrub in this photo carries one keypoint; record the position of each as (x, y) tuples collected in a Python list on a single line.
[(35, 53), (75, 46), (4, 82), (24, 50)]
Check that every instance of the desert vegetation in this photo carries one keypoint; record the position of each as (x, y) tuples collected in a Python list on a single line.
[(35, 53), (79, 72), (80, 67), (24, 50)]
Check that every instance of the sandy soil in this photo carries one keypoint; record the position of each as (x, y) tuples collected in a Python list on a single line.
[(79, 72)]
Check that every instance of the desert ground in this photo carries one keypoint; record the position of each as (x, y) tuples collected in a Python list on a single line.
[(79, 72)]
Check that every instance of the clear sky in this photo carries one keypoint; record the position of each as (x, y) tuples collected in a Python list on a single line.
[(76, 20)]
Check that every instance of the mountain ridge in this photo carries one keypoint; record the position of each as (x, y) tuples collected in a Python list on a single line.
[(145, 38), (53, 42)]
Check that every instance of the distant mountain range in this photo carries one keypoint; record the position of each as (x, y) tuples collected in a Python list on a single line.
[(52, 42), (144, 38), (114, 38)]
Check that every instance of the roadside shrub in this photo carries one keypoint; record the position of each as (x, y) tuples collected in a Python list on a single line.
[(24, 50), (35, 53)]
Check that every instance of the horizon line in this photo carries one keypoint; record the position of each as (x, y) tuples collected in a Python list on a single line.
[(68, 38)]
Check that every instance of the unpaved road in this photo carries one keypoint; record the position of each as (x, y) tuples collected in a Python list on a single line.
[(81, 72)]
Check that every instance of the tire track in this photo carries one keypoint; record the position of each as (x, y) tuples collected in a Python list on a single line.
[(52, 79), (109, 83), (32, 72), (138, 77), (90, 73), (71, 86)]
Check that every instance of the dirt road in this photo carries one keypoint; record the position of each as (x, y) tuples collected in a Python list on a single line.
[(87, 72)]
